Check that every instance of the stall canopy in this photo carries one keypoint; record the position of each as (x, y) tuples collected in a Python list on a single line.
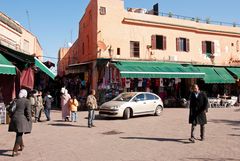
[(44, 68), (224, 74), (6, 67), (149, 69), (216, 75), (235, 71)]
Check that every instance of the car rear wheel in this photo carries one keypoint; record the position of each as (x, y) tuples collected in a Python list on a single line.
[(126, 113), (158, 110)]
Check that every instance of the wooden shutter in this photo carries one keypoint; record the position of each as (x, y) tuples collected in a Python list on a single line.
[(212, 48), (204, 50), (164, 43), (177, 44), (187, 45), (153, 41)]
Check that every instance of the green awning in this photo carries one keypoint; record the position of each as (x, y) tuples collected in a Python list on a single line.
[(44, 68), (6, 67), (216, 75), (235, 71), (149, 69), (20, 56), (224, 74)]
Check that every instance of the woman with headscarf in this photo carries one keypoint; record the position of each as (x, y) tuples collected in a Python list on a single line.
[(21, 121), (65, 105)]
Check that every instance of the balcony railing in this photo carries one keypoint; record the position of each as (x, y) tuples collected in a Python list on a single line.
[(196, 19)]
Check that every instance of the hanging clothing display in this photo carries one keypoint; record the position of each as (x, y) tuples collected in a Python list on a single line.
[(128, 83)]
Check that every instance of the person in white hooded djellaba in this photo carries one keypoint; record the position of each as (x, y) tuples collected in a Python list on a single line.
[(65, 105)]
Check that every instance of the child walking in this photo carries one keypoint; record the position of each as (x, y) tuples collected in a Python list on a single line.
[(73, 105)]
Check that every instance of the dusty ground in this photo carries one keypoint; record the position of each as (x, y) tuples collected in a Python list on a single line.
[(147, 138)]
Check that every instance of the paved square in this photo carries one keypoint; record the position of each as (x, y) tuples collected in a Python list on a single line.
[(148, 138)]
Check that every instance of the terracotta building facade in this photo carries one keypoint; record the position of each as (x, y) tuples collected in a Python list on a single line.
[(132, 49)]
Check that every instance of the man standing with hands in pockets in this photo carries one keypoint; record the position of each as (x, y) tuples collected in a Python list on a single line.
[(197, 114)]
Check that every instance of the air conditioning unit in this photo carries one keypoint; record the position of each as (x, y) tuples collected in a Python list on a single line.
[(173, 58)]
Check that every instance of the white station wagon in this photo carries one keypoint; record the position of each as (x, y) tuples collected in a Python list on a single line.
[(130, 104)]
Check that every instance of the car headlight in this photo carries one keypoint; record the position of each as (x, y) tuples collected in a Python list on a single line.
[(115, 107)]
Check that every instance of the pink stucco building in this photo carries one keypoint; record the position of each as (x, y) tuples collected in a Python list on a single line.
[(21, 58), (115, 43), (16, 37)]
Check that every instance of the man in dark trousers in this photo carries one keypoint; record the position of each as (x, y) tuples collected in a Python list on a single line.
[(198, 108)]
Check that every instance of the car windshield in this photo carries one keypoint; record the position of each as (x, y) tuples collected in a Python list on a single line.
[(125, 96)]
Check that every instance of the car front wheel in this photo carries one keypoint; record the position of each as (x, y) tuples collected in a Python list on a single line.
[(126, 113), (158, 110)]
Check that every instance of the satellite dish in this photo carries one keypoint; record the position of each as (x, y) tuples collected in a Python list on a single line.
[(102, 45), (69, 44)]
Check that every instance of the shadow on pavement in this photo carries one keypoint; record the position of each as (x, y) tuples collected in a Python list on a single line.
[(97, 117), (237, 110), (184, 141), (59, 121), (113, 132), (212, 159), (234, 135), (67, 125), (228, 122), (236, 128), (3, 153)]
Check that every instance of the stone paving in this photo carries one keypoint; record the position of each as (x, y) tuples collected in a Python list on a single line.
[(148, 138)]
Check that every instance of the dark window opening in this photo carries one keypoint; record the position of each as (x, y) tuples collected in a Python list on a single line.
[(208, 47), (83, 50), (158, 42), (118, 51)]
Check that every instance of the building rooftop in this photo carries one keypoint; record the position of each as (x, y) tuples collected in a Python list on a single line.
[(171, 15)]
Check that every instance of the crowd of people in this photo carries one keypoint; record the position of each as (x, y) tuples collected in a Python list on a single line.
[(69, 105), (39, 104), (29, 107)]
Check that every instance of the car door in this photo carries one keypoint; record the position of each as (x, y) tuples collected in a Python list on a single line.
[(139, 104), (151, 103)]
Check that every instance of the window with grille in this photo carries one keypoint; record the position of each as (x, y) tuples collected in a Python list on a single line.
[(134, 49), (182, 44), (102, 10)]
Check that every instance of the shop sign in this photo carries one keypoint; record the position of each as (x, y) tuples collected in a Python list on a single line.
[(234, 61)]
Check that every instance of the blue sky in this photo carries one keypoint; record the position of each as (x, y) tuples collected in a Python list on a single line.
[(55, 22)]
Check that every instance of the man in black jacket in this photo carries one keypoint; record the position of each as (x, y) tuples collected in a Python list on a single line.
[(198, 109)]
